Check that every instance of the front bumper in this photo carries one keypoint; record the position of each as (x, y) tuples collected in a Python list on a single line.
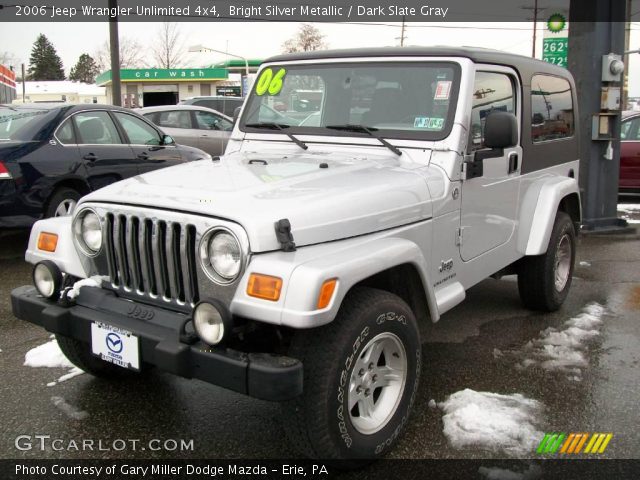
[(260, 375)]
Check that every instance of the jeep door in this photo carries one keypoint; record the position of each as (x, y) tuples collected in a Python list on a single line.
[(490, 201), (146, 143), (106, 156)]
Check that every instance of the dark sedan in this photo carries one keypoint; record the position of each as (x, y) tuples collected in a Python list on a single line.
[(53, 154)]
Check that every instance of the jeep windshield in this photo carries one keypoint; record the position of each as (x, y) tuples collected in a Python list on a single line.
[(407, 100)]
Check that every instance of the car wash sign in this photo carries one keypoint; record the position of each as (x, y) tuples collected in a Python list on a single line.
[(164, 74), (555, 44)]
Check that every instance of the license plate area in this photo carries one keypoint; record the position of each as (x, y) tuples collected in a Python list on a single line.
[(115, 345)]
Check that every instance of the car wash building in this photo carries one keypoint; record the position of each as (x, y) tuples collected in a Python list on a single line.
[(147, 87), (7, 85)]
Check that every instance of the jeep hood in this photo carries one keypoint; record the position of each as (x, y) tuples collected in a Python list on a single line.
[(325, 196)]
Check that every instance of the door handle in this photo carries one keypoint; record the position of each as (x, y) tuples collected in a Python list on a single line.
[(143, 156), (90, 157), (513, 162)]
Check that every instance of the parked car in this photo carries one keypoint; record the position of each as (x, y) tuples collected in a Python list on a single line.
[(630, 154), (300, 268), (225, 105), (53, 154), (199, 127)]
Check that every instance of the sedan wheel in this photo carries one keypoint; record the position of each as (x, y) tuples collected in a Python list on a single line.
[(65, 207)]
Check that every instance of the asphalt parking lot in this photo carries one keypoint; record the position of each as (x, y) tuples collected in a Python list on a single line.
[(481, 345)]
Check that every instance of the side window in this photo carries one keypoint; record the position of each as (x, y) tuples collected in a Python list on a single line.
[(491, 91), (174, 119), (65, 133), (551, 108), (210, 121), (96, 128), (630, 130), (138, 131)]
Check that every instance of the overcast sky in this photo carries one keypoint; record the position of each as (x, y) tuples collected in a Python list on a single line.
[(260, 40)]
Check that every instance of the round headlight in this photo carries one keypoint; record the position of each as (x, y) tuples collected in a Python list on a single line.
[(47, 278), (89, 231), (224, 255), (209, 323)]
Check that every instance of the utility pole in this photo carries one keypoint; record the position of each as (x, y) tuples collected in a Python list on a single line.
[(114, 48), (402, 35), (599, 159)]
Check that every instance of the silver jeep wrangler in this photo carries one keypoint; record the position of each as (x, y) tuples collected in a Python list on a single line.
[(361, 194)]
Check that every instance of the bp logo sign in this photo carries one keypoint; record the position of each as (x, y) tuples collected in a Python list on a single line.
[(556, 23)]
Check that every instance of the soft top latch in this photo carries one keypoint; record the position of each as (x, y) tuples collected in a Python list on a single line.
[(284, 236)]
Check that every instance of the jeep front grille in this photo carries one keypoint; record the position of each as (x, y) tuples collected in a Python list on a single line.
[(152, 257)]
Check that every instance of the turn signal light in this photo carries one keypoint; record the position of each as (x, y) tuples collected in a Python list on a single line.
[(264, 286), (47, 241), (326, 293)]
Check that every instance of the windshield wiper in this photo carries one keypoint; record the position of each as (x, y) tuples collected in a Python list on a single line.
[(282, 128), (349, 127)]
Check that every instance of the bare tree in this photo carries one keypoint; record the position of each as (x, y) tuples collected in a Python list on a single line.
[(168, 47), (306, 39), (8, 58), (132, 55)]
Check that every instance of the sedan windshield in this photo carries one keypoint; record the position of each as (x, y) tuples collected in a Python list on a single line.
[(21, 123), (395, 99)]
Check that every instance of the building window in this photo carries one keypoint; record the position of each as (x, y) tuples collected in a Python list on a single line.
[(95, 99), (551, 108), (190, 88)]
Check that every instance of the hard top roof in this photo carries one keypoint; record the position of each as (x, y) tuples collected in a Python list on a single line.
[(476, 54)]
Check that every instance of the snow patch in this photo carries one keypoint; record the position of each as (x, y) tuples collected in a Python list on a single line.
[(629, 207), (69, 410), (50, 355), (564, 350), (74, 291), (74, 372), (432, 404), (585, 264), (494, 473), (491, 421), (47, 355)]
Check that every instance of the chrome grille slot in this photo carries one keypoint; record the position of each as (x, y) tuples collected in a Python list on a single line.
[(152, 258)]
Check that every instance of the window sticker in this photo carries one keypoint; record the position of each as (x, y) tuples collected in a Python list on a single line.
[(269, 82), (443, 88), (429, 123)]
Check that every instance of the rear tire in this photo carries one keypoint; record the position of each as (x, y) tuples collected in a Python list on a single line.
[(62, 202), (79, 353), (544, 280), (361, 375)]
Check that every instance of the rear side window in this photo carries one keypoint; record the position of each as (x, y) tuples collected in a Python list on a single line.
[(96, 128), (631, 129), (65, 134), (492, 92), (551, 108)]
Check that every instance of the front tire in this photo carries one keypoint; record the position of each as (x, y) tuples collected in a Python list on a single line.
[(361, 375), (544, 280)]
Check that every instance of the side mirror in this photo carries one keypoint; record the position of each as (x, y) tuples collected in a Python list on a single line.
[(236, 114), (500, 130), (168, 140)]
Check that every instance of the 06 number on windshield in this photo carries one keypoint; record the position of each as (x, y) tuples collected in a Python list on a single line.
[(269, 82)]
